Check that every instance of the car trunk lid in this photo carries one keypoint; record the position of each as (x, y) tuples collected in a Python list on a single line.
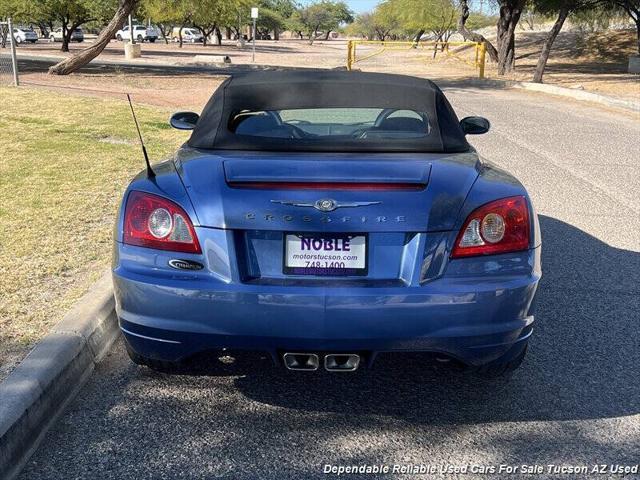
[(362, 192)]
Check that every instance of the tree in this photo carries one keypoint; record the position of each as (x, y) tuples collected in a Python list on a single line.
[(563, 9), (510, 12), (324, 16), (435, 16), (385, 20), (274, 16), (80, 59), (339, 13), (632, 8), (166, 14), (209, 16), (362, 26), (70, 14), (464, 19)]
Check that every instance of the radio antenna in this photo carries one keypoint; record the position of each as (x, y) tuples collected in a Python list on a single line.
[(150, 172)]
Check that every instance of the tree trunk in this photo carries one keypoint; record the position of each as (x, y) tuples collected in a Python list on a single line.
[(435, 47), (418, 36), (85, 55), (510, 11), (470, 36), (218, 35), (163, 31), (548, 43), (43, 30), (65, 38), (204, 34), (326, 37), (180, 37), (276, 34)]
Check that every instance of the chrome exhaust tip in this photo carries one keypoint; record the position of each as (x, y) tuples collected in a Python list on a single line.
[(341, 362), (301, 361)]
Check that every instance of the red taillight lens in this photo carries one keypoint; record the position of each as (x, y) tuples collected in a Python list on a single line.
[(155, 222), (501, 226)]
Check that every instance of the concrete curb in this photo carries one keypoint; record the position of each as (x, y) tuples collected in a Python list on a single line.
[(40, 387), (580, 95)]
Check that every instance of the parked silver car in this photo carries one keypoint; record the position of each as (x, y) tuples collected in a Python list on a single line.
[(25, 34), (57, 35)]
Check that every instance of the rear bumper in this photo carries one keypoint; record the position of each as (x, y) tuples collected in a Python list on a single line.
[(476, 322)]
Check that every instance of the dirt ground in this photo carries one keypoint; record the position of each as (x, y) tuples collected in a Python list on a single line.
[(593, 62), (186, 92)]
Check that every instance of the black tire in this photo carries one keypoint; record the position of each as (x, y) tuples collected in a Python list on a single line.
[(152, 40), (139, 38), (501, 367), (119, 37)]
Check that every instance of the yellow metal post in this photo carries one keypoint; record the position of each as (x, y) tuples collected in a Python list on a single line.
[(353, 53), (349, 47), (483, 58)]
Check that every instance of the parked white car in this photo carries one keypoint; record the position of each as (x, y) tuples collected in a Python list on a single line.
[(140, 33), (57, 35), (189, 35), (25, 34)]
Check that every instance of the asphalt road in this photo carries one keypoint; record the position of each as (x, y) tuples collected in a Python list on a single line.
[(575, 401)]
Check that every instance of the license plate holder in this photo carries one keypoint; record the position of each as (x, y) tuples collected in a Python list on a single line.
[(325, 254)]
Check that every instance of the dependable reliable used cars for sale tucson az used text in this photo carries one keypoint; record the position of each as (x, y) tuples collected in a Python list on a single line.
[(324, 218)]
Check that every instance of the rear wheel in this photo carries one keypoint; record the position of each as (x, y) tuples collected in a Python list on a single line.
[(140, 39), (152, 40), (119, 37)]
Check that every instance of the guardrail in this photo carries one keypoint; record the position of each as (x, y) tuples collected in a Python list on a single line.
[(478, 62)]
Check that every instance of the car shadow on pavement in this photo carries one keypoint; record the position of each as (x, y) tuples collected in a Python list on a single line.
[(582, 363)]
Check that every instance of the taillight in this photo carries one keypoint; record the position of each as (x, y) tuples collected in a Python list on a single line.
[(155, 222), (501, 226)]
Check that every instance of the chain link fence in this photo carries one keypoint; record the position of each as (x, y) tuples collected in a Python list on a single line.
[(8, 59)]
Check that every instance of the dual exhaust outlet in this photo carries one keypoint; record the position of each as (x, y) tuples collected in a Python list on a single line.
[(335, 362)]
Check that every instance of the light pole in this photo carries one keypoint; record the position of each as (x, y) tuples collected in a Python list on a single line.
[(254, 15)]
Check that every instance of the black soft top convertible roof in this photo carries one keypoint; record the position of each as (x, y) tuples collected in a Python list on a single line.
[(298, 89)]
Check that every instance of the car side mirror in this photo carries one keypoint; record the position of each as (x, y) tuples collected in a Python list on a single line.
[(184, 120), (475, 125)]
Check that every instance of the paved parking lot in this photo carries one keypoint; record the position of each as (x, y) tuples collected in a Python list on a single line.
[(575, 401)]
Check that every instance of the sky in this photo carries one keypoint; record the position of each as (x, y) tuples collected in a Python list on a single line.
[(360, 6)]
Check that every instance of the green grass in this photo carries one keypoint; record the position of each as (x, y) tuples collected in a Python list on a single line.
[(64, 163)]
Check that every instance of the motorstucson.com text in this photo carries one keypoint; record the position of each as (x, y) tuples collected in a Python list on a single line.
[(447, 469)]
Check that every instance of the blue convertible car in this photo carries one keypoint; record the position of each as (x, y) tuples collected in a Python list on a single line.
[(325, 218)]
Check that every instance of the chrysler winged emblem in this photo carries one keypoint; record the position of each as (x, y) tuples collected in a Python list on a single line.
[(325, 204)]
